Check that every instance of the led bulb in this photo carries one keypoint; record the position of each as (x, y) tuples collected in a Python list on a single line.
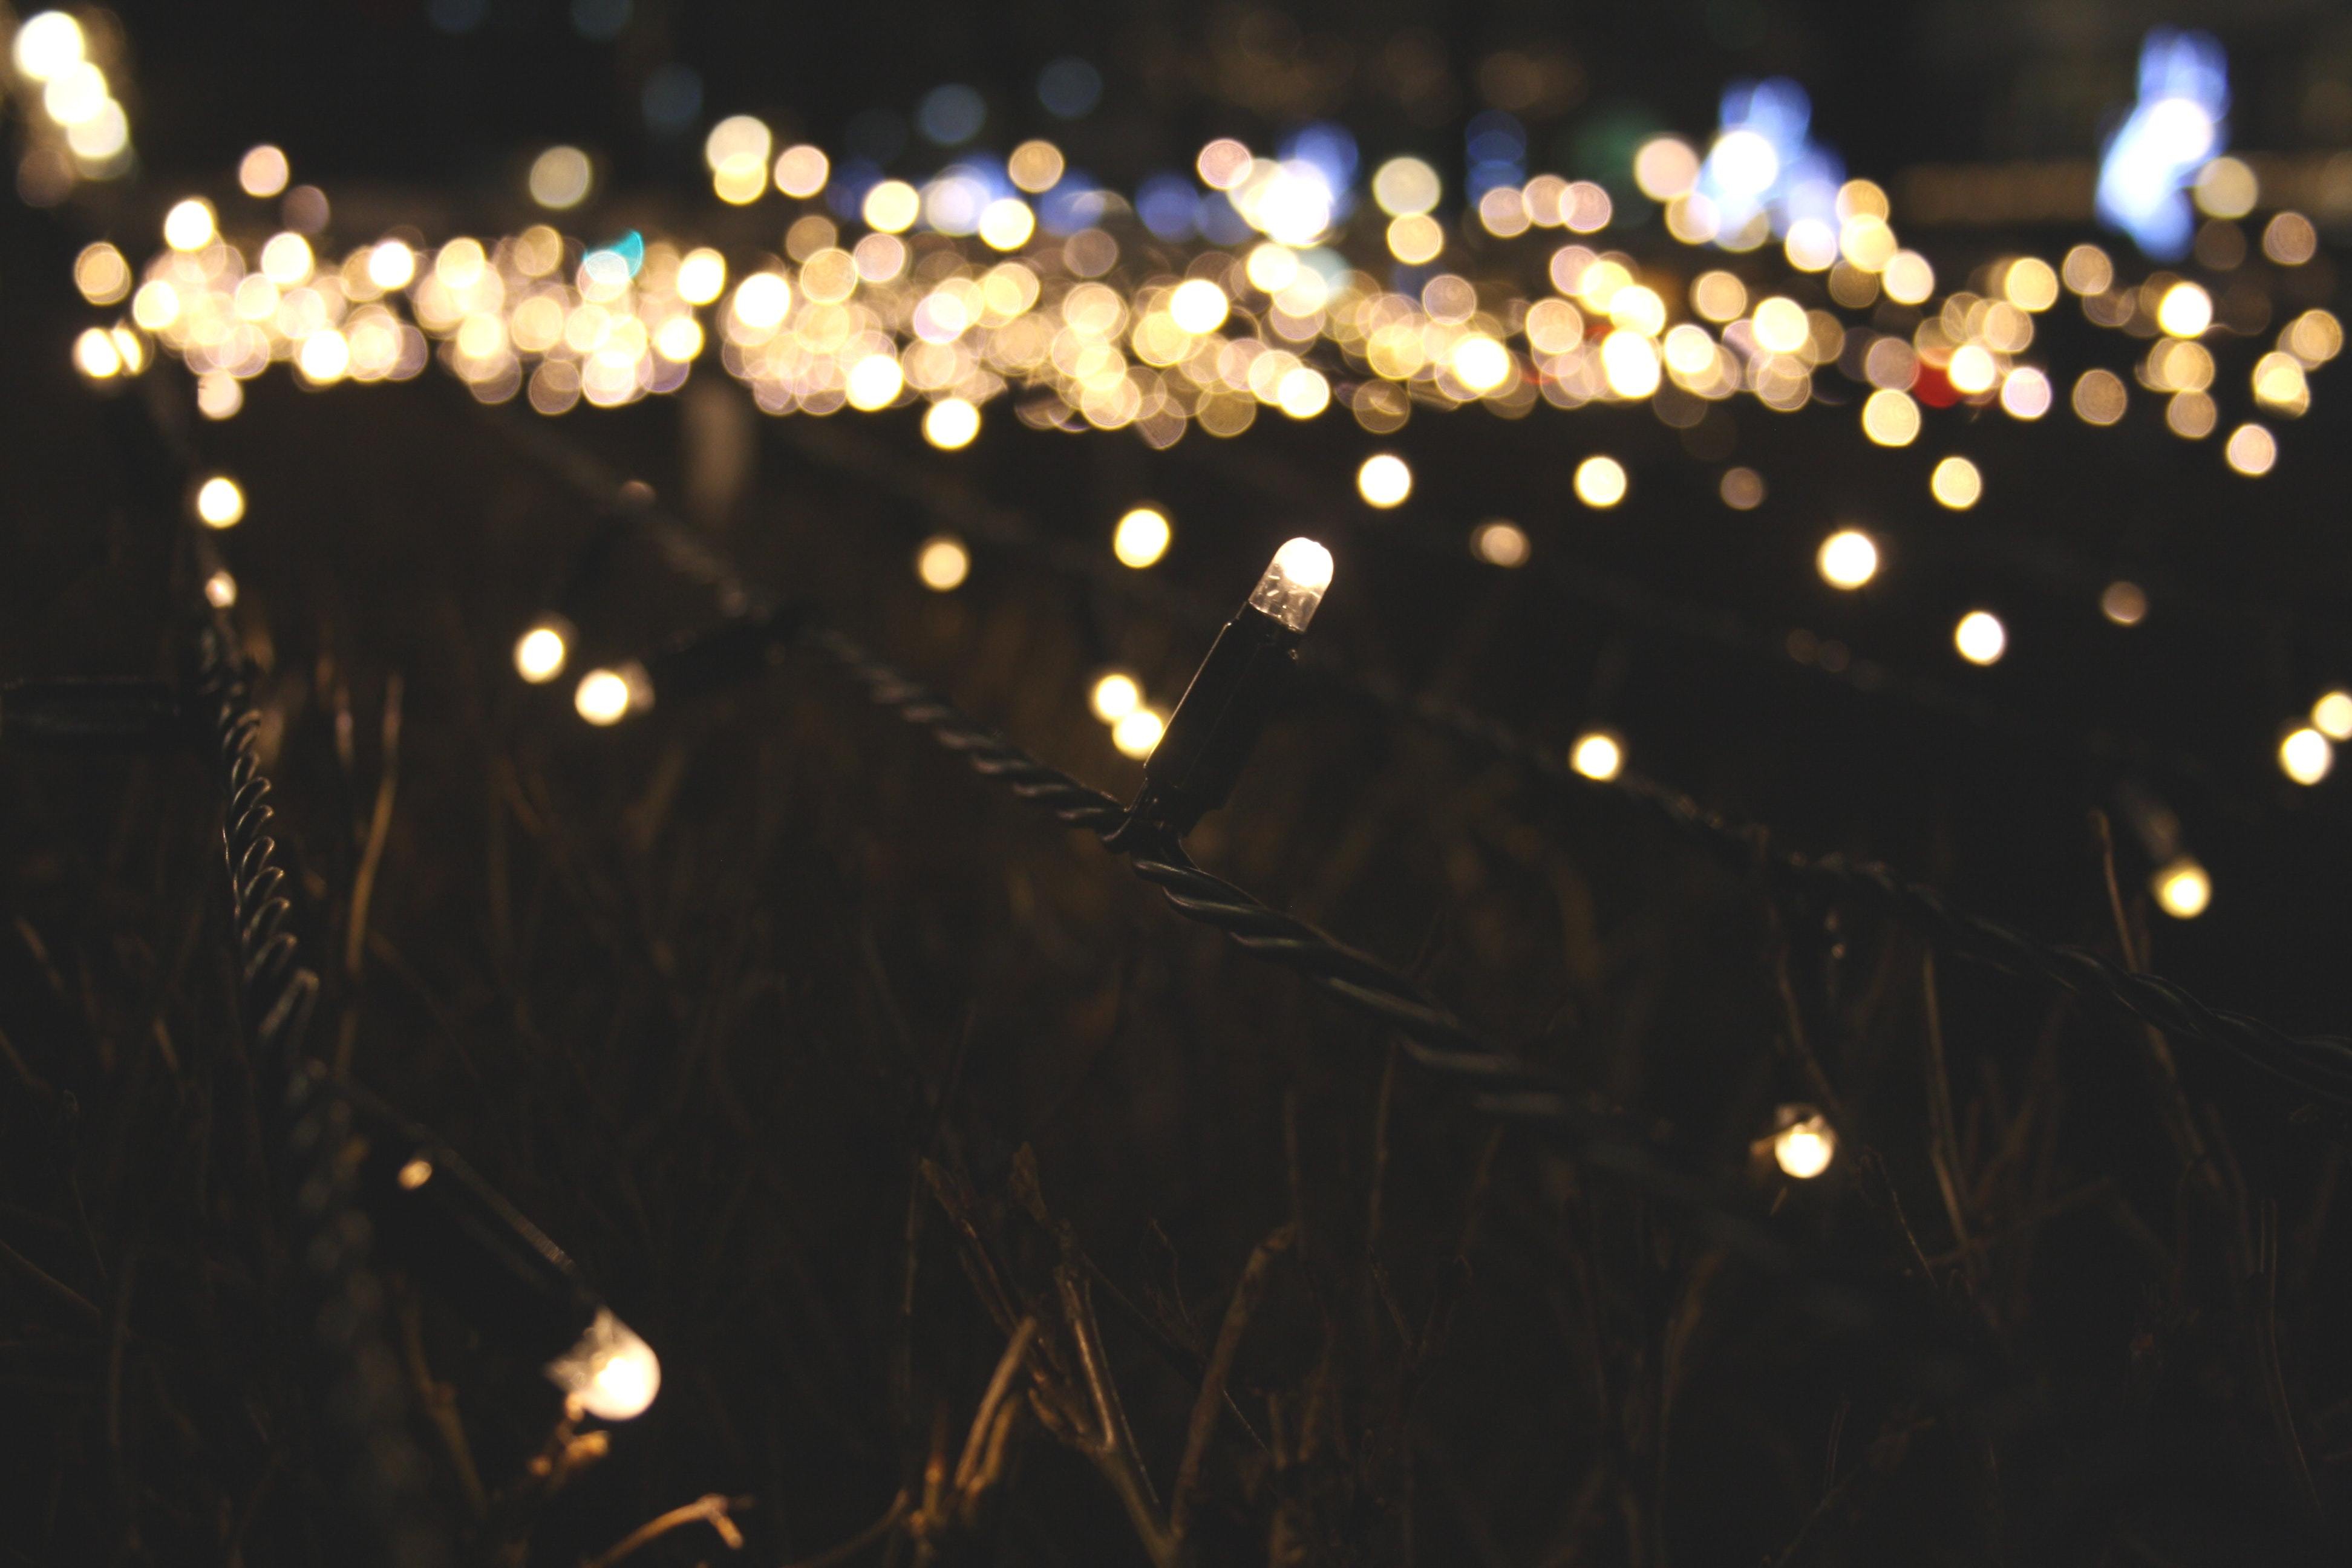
[(1116, 696), (539, 654), (608, 696), (1597, 754), (2183, 889), (2332, 715), (611, 1373), (2306, 755), (1294, 584), (1804, 1144)]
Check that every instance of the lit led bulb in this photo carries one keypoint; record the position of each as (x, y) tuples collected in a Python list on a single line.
[(1597, 754), (1294, 584), (1980, 637), (2182, 888), (2306, 755), (220, 590), (1115, 696), (1141, 537), (1848, 559), (2332, 715), (942, 563), (1803, 1145), (608, 696), (1136, 733), (541, 652), (219, 502), (610, 1374)]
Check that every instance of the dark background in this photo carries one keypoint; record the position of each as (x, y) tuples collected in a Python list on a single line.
[(689, 990)]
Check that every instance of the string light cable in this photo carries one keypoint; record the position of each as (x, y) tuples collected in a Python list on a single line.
[(2316, 1066), (2319, 1065)]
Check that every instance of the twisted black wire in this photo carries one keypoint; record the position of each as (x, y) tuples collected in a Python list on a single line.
[(329, 1239), (2318, 1066), (1433, 1035)]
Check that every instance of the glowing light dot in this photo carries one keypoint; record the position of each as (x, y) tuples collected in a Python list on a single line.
[(1136, 733), (892, 206), (219, 396), (1665, 167), (2030, 283), (220, 590), (1972, 370), (1142, 538), (1847, 559), (1980, 637), (189, 225), (1406, 187), (392, 265), (2306, 755), (1956, 483), (2332, 715), (2025, 394), (219, 502), (942, 563), (875, 382), (1803, 1149), (1006, 223), (802, 170), (1198, 306), (1385, 480), (95, 355), (46, 44), (1597, 754), (325, 358), (1599, 483), (1780, 326), (2125, 603), (1499, 544), (1114, 697), (2182, 890), (1480, 363), (263, 171), (1890, 419), (1035, 166), (2185, 310), (539, 654), (601, 697), (701, 277), (951, 424), (560, 178), (2251, 450)]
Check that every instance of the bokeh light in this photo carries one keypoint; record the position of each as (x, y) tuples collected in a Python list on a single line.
[(2306, 755), (1141, 537), (1597, 754), (1956, 483), (942, 563), (1137, 733), (1499, 544), (2182, 888), (219, 502), (1385, 480), (1600, 482), (1980, 637), (1847, 559)]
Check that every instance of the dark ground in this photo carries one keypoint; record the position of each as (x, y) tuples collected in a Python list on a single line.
[(702, 993)]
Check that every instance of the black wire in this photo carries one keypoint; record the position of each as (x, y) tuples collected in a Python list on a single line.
[(357, 1387), (2319, 1065)]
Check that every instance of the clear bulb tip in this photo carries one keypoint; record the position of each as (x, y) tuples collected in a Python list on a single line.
[(1294, 584), (610, 1374)]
